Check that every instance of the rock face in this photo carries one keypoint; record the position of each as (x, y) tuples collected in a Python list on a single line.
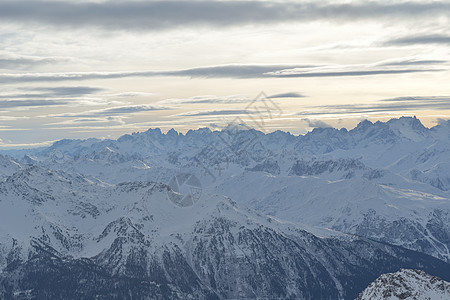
[(407, 284)]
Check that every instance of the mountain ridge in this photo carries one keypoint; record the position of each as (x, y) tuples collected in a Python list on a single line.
[(400, 159), (343, 207), (133, 230), (406, 284)]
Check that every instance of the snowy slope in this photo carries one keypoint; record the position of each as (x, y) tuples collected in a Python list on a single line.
[(379, 175), (387, 181), (385, 208), (95, 238), (8, 166), (407, 284)]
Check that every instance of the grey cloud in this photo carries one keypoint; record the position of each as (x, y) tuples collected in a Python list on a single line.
[(30, 103), (228, 71), (53, 92), (14, 63), (353, 73), (220, 113), (287, 95), (234, 71), (317, 123), (131, 94), (399, 104), (84, 122), (421, 99), (413, 62), (154, 15), (130, 109), (114, 111), (207, 100), (420, 39), (69, 90), (57, 77)]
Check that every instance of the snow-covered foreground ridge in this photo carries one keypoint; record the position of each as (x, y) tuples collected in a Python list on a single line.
[(272, 215), (407, 284)]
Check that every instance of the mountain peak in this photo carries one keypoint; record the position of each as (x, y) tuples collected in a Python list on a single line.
[(203, 130), (407, 284), (151, 132), (407, 121), (409, 127), (173, 132), (364, 124)]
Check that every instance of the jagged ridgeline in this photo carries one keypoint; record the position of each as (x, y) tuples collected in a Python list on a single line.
[(407, 284), (316, 216)]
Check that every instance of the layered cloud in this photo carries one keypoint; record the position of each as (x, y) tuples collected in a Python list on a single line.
[(114, 111), (227, 71), (228, 112), (207, 99), (392, 105), (20, 62), (240, 72), (287, 95), (420, 40), (27, 97), (31, 103), (52, 92), (157, 15), (382, 68)]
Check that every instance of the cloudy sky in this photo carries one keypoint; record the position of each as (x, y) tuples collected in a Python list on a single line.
[(78, 69)]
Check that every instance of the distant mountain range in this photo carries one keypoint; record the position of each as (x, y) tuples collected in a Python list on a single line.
[(230, 214)]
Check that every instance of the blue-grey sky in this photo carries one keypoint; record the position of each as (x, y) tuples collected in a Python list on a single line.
[(78, 69)]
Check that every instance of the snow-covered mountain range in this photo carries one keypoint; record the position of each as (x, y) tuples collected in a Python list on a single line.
[(271, 215), (101, 237)]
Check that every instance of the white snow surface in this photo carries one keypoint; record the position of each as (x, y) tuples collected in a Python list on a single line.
[(386, 180)]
